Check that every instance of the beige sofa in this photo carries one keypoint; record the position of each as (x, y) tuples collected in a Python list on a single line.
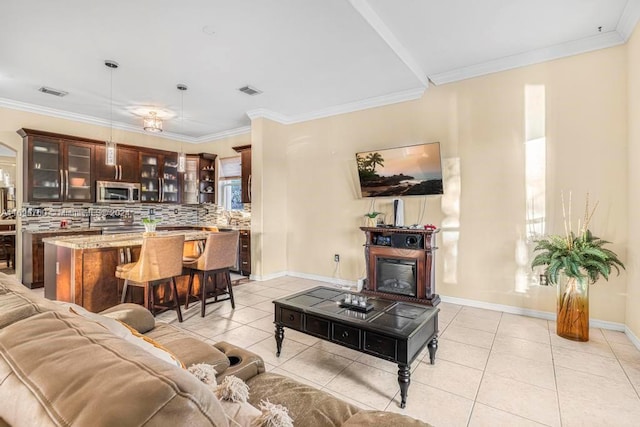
[(58, 367)]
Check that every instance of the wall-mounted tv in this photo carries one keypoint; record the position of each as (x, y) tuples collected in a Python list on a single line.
[(414, 170)]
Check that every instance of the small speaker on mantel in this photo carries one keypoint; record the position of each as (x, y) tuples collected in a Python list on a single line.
[(398, 213)]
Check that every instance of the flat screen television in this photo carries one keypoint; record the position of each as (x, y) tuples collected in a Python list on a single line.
[(414, 170)]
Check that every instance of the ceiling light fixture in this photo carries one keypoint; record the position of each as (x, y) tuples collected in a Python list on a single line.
[(111, 157), (182, 158), (152, 123)]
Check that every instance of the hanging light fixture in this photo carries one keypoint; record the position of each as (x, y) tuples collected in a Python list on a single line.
[(152, 123), (182, 158), (111, 158)]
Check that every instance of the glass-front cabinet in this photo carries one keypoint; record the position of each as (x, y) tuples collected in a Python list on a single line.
[(190, 181), (170, 181), (58, 170), (77, 175), (159, 179), (45, 173)]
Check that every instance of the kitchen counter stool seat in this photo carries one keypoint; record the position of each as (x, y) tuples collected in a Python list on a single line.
[(159, 263), (213, 268)]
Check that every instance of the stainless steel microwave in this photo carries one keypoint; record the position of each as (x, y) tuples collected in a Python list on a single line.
[(117, 192)]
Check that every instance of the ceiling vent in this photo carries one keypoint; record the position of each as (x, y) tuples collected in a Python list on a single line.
[(250, 90), (50, 91)]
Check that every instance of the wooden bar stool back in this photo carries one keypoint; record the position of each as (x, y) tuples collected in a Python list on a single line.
[(213, 268), (159, 263)]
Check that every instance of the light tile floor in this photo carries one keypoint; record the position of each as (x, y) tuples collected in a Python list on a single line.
[(492, 368)]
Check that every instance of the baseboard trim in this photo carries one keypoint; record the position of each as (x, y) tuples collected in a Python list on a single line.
[(332, 280), (634, 339), (594, 323), (268, 276)]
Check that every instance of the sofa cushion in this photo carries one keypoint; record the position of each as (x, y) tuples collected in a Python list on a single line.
[(187, 349), (307, 406), (134, 315), (18, 302), (60, 369)]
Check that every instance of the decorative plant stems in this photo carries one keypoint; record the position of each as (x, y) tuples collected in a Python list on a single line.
[(573, 262)]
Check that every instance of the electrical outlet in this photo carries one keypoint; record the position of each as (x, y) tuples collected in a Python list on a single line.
[(336, 258)]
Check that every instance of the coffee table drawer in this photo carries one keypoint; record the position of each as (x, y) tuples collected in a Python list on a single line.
[(316, 326), (290, 318), (346, 335), (379, 344)]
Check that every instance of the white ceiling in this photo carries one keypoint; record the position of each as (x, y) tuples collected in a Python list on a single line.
[(310, 58)]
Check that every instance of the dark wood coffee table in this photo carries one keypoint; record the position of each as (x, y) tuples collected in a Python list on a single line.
[(394, 330)]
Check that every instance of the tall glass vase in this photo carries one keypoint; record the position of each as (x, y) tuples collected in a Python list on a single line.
[(573, 308)]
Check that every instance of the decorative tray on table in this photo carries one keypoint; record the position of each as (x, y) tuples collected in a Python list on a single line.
[(354, 304)]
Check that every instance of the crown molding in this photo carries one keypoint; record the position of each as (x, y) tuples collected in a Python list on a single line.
[(221, 135), (629, 19), (373, 19), (379, 101), (52, 112), (600, 41)]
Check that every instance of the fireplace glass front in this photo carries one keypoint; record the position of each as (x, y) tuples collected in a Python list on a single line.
[(396, 276)]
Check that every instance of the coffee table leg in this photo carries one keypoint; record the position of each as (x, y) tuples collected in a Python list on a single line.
[(433, 346), (404, 378), (279, 338)]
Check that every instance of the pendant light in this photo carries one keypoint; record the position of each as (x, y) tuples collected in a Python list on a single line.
[(111, 157), (182, 158)]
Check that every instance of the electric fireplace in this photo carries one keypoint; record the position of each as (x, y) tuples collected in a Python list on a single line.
[(401, 264)]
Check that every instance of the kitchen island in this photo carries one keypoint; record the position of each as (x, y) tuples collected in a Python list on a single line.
[(81, 269)]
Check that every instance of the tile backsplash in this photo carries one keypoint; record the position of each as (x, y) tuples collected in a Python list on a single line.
[(47, 216)]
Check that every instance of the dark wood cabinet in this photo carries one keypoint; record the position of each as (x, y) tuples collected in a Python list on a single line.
[(33, 255), (126, 170), (245, 155), (244, 253), (64, 168), (57, 169), (159, 178), (207, 177)]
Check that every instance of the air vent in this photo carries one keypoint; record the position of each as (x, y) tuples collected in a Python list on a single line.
[(50, 91), (250, 90)]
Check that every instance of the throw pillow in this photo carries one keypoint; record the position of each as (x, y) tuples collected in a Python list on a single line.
[(233, 394), (134, 315), (127, 333)]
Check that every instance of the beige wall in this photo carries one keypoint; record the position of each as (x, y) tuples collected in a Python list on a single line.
[(633, 253), (12, 120), (481, 126)]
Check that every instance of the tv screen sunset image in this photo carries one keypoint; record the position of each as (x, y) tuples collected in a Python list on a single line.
[(404, 171)]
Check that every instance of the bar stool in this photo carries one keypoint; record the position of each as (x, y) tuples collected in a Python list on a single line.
[(160, 261), (219, 255)]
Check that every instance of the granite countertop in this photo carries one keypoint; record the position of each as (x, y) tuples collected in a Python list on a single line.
[(63, 230), (117, 240), (160, 226)]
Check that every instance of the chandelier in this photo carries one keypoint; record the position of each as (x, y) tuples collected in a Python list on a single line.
[(152, 123)]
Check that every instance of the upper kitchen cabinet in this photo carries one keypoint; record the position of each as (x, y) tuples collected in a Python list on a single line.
[(207, 177), (245, 156), (125, 170), (57, 169), (159, 178), (190, 181)]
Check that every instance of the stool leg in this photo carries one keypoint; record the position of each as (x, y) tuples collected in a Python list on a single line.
[(229, 288), (123, 298), (175, 299), (203, 298), (148, 299), (189, 288)]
